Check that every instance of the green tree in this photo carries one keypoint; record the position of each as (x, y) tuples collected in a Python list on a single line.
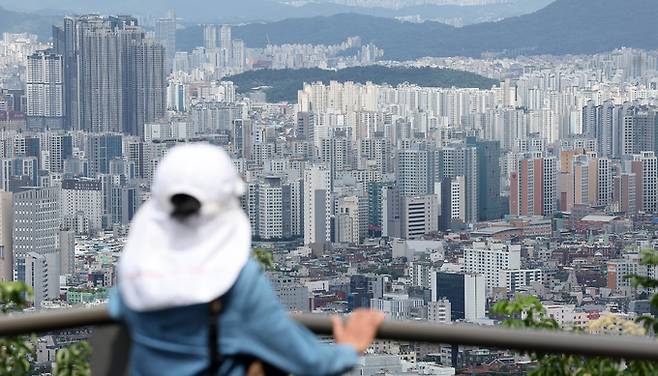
[(648, 257), (73, 360), (264, 258), (15, 352), (528, 312)]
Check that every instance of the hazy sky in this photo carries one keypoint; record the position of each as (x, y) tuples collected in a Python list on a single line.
[(254, 10)]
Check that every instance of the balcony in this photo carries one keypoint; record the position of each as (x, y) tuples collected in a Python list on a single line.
[(110, 342)]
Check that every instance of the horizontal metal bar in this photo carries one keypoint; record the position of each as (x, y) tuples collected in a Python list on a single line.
[(46, 321), (640, 348)]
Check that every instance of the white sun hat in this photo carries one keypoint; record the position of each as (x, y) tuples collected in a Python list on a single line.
[(171, 263)]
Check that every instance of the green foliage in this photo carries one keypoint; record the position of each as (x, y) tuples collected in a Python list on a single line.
[(648, 257), (13, 296), (264, 258), (73, 360), (15, 355), (528, 312), (524, 312), (15, 352), (284, 83)]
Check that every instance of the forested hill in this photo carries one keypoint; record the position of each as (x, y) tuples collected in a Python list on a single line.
[(283, 83)]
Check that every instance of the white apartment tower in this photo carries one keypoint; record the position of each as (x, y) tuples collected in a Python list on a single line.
[(649, 181), (489, 259), (317, 205), (6, 239), (412, 172), (270, 215), (35, 233), (45, 91), (457, 199), (81, 205), (419, 215)]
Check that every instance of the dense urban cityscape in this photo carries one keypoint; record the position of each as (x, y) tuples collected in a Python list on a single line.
[(426, 203)]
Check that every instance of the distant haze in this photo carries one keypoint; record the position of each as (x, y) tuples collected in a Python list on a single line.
[(234, 11), (563, 27)]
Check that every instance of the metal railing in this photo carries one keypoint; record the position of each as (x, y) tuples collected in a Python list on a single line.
[(111, 351)]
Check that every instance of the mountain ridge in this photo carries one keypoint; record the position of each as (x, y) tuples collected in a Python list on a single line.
[(563, 27), (235, 11), (20, 22)]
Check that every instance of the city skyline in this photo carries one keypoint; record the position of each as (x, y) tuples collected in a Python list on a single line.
[(504, 175)]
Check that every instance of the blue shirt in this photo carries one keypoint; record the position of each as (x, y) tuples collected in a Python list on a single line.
[(252, 322)]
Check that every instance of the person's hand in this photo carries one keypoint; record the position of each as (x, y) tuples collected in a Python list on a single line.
[(359, 330)]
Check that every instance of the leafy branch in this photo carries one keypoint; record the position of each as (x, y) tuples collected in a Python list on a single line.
[(264, 258), (528, 312), (16, 353), (73, 360)]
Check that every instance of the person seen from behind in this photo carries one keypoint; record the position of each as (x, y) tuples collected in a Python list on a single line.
[(192, 298)]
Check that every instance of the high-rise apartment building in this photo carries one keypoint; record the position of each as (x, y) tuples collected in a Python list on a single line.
[(513, 280), (462, 160), (419, 215), (38, 271), (488, 179), (420, 273), (351, 219), (6, 236), (464, 291), (305, 129), (60, 148), (225, 37), (238, 55), (35, 232), (67, 251), (176, 96), (101, 149), (147, 85), (270, 208), (604, 123), (165, 33), (490, 259), (457, 201), (134, 151), (334, 152), (81, 205), (584, 179), (639, 130), (391, 206), (18, 172), (114, 78), (624, 193), (643, 166), (414, 171), (45, 91), (317, 205), (533, 186), (209, 37)]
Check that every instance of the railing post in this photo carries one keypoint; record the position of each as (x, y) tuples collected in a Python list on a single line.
[(110, 348)]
